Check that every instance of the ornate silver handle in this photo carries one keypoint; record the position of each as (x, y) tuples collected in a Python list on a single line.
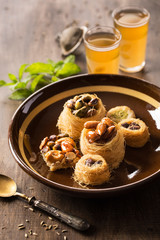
[(73, 221)]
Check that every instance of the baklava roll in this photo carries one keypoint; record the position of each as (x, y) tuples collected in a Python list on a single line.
[(77, 111), (105, 139), (119, 113), (59, 152), (91, 170), (135, 132)]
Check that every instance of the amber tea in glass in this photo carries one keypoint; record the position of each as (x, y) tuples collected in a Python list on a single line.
[(133, 26), (102, 49)]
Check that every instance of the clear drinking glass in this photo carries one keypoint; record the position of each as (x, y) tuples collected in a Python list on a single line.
[(133, 26), (102, 49)]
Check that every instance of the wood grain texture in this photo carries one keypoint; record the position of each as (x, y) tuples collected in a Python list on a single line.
[(28, 30)]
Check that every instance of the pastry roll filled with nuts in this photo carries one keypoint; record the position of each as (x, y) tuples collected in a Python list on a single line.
[(119, 113), (105, 139), (135, 132), (59, 152), (91, 170), (77, 111)]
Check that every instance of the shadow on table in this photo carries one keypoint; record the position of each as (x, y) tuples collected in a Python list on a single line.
[(126, 216)]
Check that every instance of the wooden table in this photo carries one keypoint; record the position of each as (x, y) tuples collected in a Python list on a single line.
[(27, 34)]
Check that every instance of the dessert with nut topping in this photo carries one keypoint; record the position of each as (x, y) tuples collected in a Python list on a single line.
[(135, 132), (119, 113), (59, 151), (91, 170), (102, 139), (105, 139), (77, 111)]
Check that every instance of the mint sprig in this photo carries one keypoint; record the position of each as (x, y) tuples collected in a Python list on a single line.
[(33, 77)]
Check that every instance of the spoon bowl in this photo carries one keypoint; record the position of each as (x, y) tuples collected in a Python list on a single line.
[(8, 186)]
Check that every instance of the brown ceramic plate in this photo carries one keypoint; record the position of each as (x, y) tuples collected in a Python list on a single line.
[(37, 117)]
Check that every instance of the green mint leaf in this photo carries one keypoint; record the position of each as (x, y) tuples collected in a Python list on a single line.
[(35, 82), (20, 94), (54, 79), (21, 71), (68, 69), (12, 77), (2, 83), (42, 82), (47, 78), (37, 68), (70, 58), (51, 62), (39, 75), (28, 78), (58, 66), (10, 84), (19, 85)]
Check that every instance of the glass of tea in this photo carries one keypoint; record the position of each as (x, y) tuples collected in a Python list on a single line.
[(133, 26), (102, 49)]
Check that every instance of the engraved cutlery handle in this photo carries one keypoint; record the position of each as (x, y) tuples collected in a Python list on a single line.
[(73, 221)]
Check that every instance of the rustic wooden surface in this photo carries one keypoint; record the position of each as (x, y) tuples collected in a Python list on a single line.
[(27, 34)]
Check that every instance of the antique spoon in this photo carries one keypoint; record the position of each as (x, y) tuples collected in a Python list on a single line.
[(8, 188)]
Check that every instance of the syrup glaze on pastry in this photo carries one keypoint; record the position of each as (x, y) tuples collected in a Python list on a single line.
[(59, 152), (105, 139)]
